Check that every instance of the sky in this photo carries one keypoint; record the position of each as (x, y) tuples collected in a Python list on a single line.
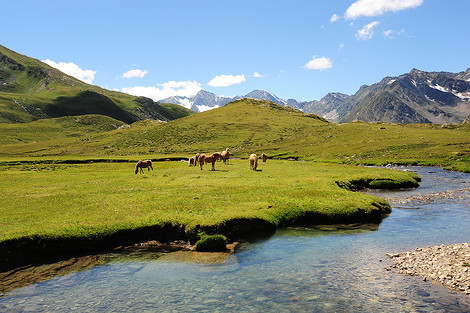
[(293, 49)]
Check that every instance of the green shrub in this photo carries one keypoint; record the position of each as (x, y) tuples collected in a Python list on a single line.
[(383, 184), (211, 243)]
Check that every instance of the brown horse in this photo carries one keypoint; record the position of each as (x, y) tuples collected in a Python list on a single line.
[(264, 157), (191, 161), (204, 159), (225, 155), (253, 162), (143, 164), (194, 160)]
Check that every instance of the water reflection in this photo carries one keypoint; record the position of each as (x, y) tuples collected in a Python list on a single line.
[(333, 268), (328, 229)]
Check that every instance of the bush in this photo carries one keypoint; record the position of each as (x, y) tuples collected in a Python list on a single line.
[(211, 243)]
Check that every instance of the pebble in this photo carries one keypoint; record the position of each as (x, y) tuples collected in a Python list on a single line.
[(428, 198), (447, 265)]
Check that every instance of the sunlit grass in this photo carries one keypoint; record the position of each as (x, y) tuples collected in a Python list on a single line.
[(89, 200), (247, 126)]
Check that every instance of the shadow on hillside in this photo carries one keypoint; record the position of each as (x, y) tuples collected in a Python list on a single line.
[(88, 102)]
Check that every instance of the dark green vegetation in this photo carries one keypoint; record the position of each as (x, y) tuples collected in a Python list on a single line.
[(211, 243), (31, 90)]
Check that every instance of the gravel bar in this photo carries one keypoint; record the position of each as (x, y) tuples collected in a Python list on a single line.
[(448, 265)]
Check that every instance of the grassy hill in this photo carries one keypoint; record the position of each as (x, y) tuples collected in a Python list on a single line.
[(31, 90), (254, 126), (57, 128)]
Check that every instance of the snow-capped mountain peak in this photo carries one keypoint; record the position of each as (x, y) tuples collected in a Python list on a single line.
[(414, 97), (205, 100)]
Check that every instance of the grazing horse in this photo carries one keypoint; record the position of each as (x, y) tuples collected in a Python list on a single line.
[(264, 157), (225, 155), (143, 164), (253, 162), (203, 159), (192, 161)]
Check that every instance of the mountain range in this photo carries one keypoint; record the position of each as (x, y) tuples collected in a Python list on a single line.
[(414, 97), (31, 90)]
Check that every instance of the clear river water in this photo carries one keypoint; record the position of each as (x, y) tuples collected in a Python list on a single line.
[(323, 268)]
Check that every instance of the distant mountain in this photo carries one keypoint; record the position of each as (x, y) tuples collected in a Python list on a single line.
[(331, 106), (31, 90), (415, 97), (205, 100)]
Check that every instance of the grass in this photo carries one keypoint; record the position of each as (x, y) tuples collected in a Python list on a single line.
[(56, 128), (98, 199), (211, 243), (251, 126), (45, 198)]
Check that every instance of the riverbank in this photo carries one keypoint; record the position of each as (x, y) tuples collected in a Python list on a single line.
[(448, 265), (176, 250), (82, 208)]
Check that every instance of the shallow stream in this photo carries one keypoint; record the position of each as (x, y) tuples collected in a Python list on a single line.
[(326, 268)]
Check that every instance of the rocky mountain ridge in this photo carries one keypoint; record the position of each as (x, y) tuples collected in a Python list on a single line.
[(414, 97)]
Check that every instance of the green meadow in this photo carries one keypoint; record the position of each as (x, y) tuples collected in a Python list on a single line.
[(72, 177), (99, 199), (245, 126)]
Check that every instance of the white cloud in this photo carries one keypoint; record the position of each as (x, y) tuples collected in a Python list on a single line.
[(74, 70), (341, 46), (319, 63), (390, 34), (334, 18), (226, 80), (378, 7), (134, 73), (257, 75), (366, 32), (166, 90)]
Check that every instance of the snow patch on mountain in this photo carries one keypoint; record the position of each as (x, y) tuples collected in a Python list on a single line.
[(460, 95), (203, 108)]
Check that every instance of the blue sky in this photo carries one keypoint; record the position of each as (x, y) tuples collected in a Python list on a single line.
[(294, 49)]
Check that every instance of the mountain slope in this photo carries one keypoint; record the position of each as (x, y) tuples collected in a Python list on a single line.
[(31, 89), (415, 97)]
